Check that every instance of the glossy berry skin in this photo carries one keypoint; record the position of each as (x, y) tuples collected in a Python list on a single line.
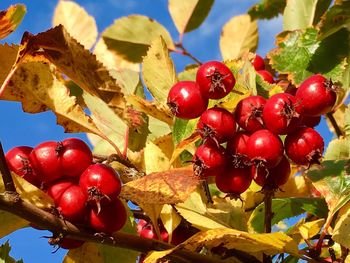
[(258, 62), (146, 230), (215, 79), (68, 243), (236, 149), (186, 101), (45, 159), (99, 181), (266, 75), (265, 148), (304, 146), (75, 157), (316, 95), (234, 181), (248, 113), (218, 124), (280, 113), (272, 178), (110, 219), (18, 161), (209, 160)]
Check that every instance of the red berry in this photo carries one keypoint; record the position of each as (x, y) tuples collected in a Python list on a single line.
[(68, 243), (234, 180), (70, 200), (280, 115), (248, 113), (18, 161), (258, 62), (304, 146), (272, 178), (99, 181), (265, 148), (110, 218), (75, 157), (316, 95), (45, 159), (186, 101), (236, 149), (215, 79), (310, 121), (218, 124), (267, 76), (209, 160), (147, 231)]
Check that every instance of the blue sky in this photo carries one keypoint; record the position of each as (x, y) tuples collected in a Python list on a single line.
[(19, 128)]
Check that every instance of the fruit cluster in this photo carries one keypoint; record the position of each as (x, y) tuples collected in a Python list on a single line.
[(83, 192), (251, 134)]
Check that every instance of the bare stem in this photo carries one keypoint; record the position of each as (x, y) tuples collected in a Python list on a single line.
[(5, 173), (117, 158), (207, 191), (183, 51), (268, 218), (335, 125)]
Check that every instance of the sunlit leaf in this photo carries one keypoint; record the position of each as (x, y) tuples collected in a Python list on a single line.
[(267, 9), (339, 116), (189, 15), (76, 21), (131, 36), (88, 253), (310, 229), (342, 227), (299, 14), (8, 55), (231, 45), (170, 218), (158, 70), (183, 129), (155, 159), (5, 254), (296, 186), (169, 187), (189, 73), (338, 149), (186, 144), (10, 223), (10, 19)]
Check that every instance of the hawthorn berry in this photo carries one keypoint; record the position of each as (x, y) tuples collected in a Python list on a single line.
[(215, 79), (186, 101), (18, 161), (264, 148), (266, 75), (209, 160), (68, 243), (146, 230), (235, 180), (304, 146), (310, 121), (280, 113), (248, 113), (217, 124), (258, 62), (317, 95), (236, 149)]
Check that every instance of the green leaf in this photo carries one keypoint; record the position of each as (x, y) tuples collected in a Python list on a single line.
[(300, 55), (299, 14), (267, 9), (131, 36), (338, 149), (233, 47), (189, 73), (190, 14), (183, 129), (335, 19), (321, 9), (11, 18), (284, 208), (5, 254), (332, 180), (158, 70)]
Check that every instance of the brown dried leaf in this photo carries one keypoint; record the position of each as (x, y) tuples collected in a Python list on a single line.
[(8, 55), (169, 187), (10, 19)]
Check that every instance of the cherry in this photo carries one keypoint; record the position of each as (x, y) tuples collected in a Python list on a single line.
[(304, 146), (68, 243), (266, 75), (258, 62), (100, 181), (146, 230), (317, 95), (265, 148), (75, 157), (215, 79), (209, 160), (236, 149), (248, 113), (186, 101), (272, 178), (18, 161), (45, 159), (234, 181), (217, 123), (110, 218), (280, 114)]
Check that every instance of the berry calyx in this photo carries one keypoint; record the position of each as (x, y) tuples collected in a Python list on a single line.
[(236, 149), (186, 101), (234, 181), (215, 79), (266, 75)]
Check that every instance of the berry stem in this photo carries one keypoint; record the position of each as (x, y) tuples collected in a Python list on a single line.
[(115, 157), (207, 191), (183, 51), (268, 218), (6, 174), (335, 125)]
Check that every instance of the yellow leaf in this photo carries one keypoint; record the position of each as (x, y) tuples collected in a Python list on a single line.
[(155, 159), (8, 55), (153, 211), (87, 253), (342, 227), (10, 19), (339, 116), (10, 223), (78, 23), (158, 70), (310, 229), (184, 145), (154, 256), (169, 187), (165, 143), (296, 186), (238, 36), (170, 218)]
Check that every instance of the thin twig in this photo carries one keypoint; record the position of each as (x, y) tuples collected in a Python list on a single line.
[(268, 218), (207, 191), (117, 158), (335, 125), (183, 51), (5, 173)]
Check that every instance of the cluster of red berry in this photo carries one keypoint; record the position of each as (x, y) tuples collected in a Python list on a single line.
[(83, 192), (254, 149)]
